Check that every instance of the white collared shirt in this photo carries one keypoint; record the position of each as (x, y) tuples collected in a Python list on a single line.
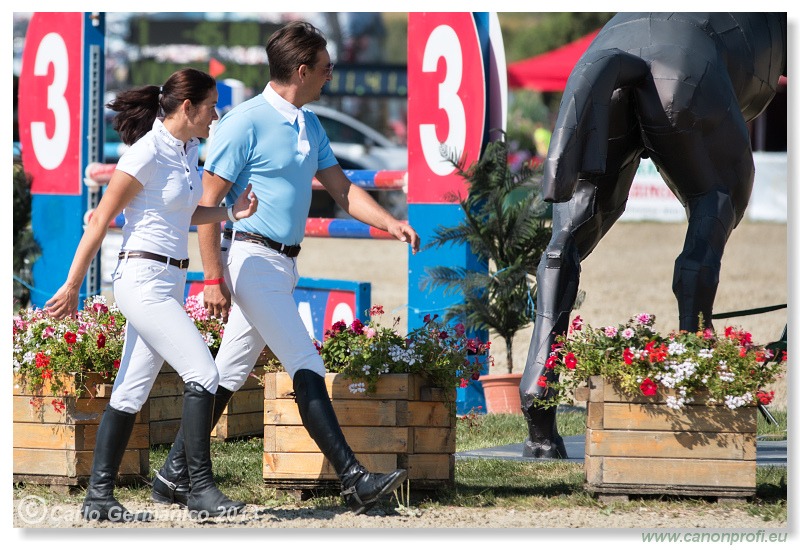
[(286, 109), (159, 216)]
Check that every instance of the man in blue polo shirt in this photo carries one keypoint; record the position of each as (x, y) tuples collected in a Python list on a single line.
[(273, 143)]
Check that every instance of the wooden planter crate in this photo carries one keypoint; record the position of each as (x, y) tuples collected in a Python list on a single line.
[(637, 445), (56, 448), (404, 424), (242, 417)]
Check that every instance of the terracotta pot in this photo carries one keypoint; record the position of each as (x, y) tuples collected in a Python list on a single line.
[(502, 393)]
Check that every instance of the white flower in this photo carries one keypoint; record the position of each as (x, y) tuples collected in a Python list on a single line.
[(676, 348), (29, 357), (705, 353), (357, 387), (628, 333), (736, 401)]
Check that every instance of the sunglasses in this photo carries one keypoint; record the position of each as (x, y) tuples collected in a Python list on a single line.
[(329, 69)]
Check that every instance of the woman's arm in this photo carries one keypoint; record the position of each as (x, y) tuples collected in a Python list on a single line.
[(244, 207), (120, 191)]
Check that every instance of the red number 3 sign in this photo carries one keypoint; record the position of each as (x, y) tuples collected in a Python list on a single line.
[(446, 102), (50, 103)]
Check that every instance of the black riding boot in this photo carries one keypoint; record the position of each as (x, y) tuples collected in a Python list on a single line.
[(171, 484), (112, 437), (543, 440), (204, 496), (360, 488)]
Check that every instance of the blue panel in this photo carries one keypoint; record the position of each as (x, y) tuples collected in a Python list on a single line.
[(425, 218)]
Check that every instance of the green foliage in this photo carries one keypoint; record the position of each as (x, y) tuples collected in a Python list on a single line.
[(505, 225), (26, 250), (528, 34)]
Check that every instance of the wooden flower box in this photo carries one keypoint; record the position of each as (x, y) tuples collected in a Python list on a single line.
[(55, 447), (403, 424), (243, 417), (636, 445)]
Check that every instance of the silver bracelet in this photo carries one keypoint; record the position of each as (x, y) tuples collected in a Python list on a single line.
[(231, 216)]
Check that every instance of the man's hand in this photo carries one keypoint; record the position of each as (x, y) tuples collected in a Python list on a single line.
[(217, 299), (405, 233)]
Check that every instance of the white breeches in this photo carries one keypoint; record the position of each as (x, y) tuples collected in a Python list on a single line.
[(261, 281), (150, 295)]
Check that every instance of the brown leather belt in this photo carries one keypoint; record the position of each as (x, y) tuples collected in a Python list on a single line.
[(183, 264), (289, 251)]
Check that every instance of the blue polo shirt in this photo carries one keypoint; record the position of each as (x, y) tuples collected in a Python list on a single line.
[(255, 143)]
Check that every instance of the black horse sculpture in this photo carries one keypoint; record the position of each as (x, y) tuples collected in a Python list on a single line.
[(678, 88)]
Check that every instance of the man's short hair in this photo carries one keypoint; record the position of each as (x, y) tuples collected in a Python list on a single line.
[(294, 44)]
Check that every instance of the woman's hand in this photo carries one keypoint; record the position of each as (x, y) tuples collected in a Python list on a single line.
[(246, 205), (64, 303)]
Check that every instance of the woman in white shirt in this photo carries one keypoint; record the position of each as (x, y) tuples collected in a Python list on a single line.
[(157, 186)]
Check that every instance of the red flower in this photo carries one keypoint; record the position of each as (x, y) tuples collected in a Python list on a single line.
[(116, 363), (460, 330), (464, 383), (376, 310), (476, 375), (58, 405), (47, 374), (627, 356), (742, 351), (577, 323), (443, 335), (542, 381), (101, 341), (101, 308), (765, 398), (571, 361), (42, 360), (551, 362), (71, 337), (648, 387), (357, 326), (337, 327)]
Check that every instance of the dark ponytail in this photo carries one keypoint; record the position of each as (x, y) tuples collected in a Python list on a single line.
[(138, 108)]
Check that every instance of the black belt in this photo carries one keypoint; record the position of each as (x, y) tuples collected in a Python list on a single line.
[(289, 251), (183, 264)]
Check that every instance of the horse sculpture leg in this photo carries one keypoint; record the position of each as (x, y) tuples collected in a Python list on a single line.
[(696, 277)]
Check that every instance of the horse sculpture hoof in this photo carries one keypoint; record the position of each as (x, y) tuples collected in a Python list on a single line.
[(544, 449)]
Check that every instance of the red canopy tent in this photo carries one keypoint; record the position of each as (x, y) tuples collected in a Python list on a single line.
[(549, 71)]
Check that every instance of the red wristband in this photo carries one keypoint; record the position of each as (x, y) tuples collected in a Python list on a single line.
[(214, 281)]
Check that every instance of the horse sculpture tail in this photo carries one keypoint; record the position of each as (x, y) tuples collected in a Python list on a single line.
[(580, 142)]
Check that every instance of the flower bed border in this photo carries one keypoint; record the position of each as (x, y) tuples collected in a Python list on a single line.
[(636, 445)]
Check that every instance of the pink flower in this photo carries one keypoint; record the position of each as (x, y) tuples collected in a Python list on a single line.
[(357, 326), (644, 319), (577, 323), (443, 335), (376, 310), (610, 331), (370, 332), (48, 332), (100, 308), (460, 330)]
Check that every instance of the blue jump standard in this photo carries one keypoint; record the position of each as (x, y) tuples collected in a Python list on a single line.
[(769, 452)]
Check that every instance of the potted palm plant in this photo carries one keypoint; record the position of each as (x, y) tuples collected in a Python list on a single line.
[(507, 226)]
